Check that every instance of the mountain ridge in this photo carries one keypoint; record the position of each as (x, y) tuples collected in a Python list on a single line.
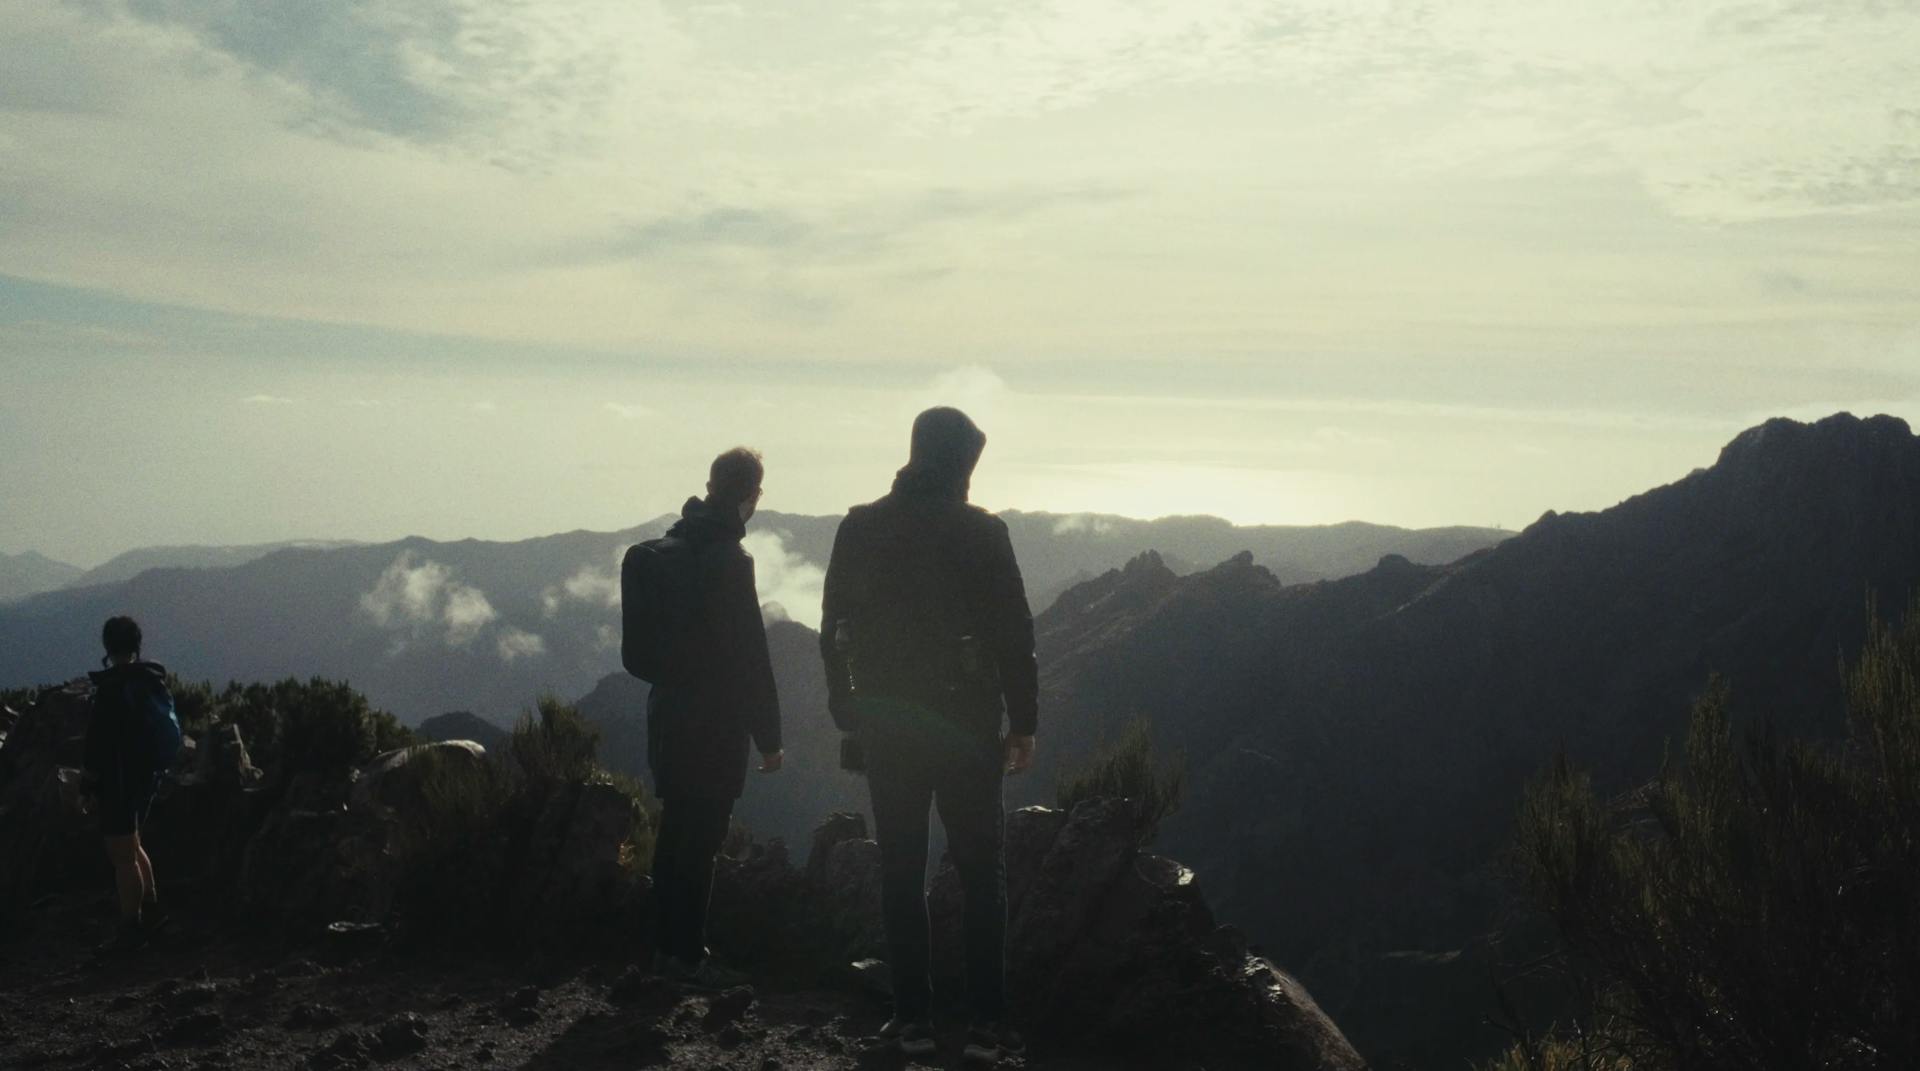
[(1357, 746), (30, 572)]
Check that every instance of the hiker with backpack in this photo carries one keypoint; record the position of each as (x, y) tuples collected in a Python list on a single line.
[(928, 642), (691, 626), (132, 737)]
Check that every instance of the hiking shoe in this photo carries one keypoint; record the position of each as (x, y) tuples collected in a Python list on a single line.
[(989, 1043), (705, 974), (914, 1036), (126, 940), (153, 917), (673, 968)]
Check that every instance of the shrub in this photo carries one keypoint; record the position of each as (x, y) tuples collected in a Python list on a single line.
[(459, 796), (638, 853), (556, 743), (318, 726), (193, 703), (1125, 769), (1585, 1053), (1758, 905)]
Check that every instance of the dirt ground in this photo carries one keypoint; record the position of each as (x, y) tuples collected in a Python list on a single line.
[(201, 998)]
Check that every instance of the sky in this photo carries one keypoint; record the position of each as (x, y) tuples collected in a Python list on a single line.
[(276, 269)]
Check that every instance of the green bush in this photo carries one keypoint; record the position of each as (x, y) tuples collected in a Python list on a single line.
[(460, 796), (1125, 769), (1586, 1053), (317, 726), (638, 855), (555, 743), (1759, 904), (193, 703)]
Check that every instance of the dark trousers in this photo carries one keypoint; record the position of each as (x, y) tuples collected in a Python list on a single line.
[(691, 833), (909, 768)]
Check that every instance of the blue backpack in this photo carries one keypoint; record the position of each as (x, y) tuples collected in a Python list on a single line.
[(155, 736)]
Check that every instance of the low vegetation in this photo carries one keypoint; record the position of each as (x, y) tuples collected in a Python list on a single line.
[(318, 726), (1758, 905), (1126, 768), (554, 743), (477, 815)]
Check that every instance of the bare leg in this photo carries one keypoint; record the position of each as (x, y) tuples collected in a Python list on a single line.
[(149, 892), (124, 851)]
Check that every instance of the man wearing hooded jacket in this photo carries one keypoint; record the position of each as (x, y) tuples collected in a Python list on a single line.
[(928, 641)]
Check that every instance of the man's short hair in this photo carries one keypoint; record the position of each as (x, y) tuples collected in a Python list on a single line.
[(735, 476), (120, 636)]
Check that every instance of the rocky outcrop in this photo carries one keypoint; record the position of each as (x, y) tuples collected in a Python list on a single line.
[(1106, 945), (394, 782), (43, 830), (463, 725), (567, 876)]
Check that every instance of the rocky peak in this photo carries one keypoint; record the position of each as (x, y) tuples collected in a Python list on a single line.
[(1834, 446), (1146, 567)]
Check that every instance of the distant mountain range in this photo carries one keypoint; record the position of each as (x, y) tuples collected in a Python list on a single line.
[(1357, 748), (126, 566), (425, 627), (31, 573)]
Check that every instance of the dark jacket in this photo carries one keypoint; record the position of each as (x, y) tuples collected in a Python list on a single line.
[(911, 575), (697, 731), (115, 761)]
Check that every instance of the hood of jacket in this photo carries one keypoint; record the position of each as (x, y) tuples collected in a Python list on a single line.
[(148, 672), (702, 521), (946, 447)]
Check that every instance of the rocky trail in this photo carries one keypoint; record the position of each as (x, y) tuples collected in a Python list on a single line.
[(198, 998)]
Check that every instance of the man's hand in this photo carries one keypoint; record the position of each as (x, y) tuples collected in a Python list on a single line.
[(1017, 753), (770, 762)]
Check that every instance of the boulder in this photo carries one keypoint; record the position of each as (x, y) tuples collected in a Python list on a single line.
[(756, 914), (1121, 947), (568, 879), (45, 838), (223, 760), (1086, 858), (848, 901), (393, 782), (1031, 832), (307, 867), (839, 826)]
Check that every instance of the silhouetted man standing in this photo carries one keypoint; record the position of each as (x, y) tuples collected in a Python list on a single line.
[(691, 623), (928, 642)]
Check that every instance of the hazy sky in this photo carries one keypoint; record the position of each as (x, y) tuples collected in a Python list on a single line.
[(282, 268)]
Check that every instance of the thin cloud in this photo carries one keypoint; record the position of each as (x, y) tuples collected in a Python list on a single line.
[(790, 586), (421, 599), (513, 644), (266, 399)]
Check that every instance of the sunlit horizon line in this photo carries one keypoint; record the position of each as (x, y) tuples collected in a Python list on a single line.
[(331, 542)]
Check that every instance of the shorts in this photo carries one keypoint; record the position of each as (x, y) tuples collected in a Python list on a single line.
[(123, 813)]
